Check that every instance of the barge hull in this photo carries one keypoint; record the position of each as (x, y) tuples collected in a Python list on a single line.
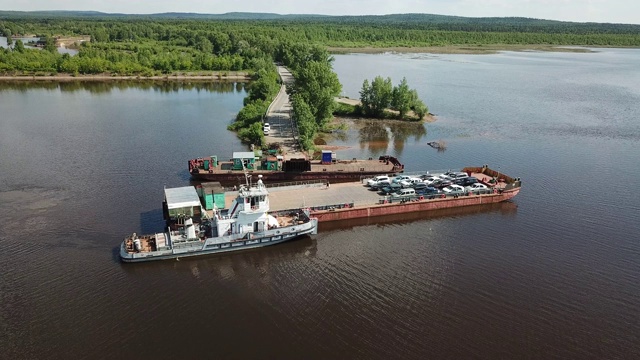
[(411, 206)]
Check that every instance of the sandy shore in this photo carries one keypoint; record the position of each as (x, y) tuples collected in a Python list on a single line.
[(222, 76), (456, 49)]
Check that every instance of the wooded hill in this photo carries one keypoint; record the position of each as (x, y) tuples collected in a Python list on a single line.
[(403, 21)]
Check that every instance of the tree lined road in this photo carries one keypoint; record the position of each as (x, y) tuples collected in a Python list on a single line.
[(283, 128)]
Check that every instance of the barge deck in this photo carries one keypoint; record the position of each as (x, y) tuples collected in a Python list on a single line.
[(351, 200)]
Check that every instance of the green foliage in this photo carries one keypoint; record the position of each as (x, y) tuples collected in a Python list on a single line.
[(375, 98), (346, 110), (381, 95), (19, 46), (137, 45), (252, 134), (307, 126), (318, 85), (420, 109), (251, 113), (401, 98), (261, 92), (265, 86)]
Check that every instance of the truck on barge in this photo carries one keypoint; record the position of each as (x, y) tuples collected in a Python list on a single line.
[(275, 168), (191, 230)]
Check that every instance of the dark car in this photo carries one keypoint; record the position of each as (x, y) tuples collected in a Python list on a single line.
[(429, 190), (441, 183), (390, 189), (380, 184), (419, 186), (466, 181)]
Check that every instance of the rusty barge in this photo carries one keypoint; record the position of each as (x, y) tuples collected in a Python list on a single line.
[(277, 168), (353, 200)]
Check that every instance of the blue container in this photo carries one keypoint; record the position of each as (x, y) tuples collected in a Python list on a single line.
[(326, 156)]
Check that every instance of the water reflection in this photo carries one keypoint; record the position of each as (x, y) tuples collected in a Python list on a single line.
[(227, 265), (107, 86), (375, 136), (506, 208), (30, 41)]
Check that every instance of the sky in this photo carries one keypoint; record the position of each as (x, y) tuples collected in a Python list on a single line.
[(610, 11)]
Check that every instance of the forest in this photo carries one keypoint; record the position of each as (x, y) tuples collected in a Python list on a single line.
[(167, 43), (151, 45)]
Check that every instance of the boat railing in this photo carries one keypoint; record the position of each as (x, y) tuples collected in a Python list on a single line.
[(332, 207), (296, 183), (283, 184)]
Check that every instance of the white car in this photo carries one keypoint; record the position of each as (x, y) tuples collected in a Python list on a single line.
[(377, 179), (430, 180), (266, 128), (399, 178), (408, 183), (454, 189), (477, 187)]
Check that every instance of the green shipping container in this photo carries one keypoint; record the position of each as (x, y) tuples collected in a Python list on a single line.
[(219, 200), (206, 164), (208, 201)]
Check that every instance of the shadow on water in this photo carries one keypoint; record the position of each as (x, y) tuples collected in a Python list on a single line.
[(151, 221), (507, 208)]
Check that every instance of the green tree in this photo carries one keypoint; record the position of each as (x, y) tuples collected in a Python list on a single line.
[(401, 99), (203, 44), (302, 115), (99, 35), (318, 85), (19, 46), (7, 33), (375, 98), (420, 109), (50, 44), (252, 134)]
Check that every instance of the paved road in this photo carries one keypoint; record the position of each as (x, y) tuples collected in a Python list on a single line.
[(278, 116)]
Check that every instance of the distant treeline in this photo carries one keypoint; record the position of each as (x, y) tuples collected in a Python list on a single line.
[(148, 45)]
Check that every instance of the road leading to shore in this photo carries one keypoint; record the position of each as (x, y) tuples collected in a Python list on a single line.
[(283, 129)]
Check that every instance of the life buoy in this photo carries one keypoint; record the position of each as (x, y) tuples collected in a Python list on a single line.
[(421, 197), (495, 191)]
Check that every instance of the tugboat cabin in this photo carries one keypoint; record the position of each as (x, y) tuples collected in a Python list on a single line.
[(180, 204)]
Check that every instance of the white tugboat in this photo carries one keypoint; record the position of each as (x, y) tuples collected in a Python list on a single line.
[(246, 224)]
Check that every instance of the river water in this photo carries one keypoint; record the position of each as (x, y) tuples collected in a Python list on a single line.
[(552, 274)]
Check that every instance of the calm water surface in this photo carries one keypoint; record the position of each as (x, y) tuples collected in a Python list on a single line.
[(553, 274)]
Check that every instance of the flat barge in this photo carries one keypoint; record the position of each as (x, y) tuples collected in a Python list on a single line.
[(353, 200), (276, 168)]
